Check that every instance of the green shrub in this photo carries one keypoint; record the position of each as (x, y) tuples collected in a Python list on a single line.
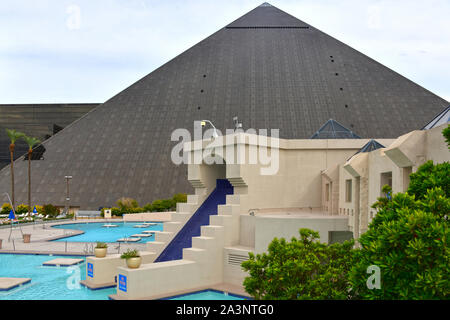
[(168, 204), (409, 241), (301, 269), (6, 208), (21, 209), (50, 210), (158, 205), (116, 212), (430, 176), (130, 253), (180, 197), (148, 207)]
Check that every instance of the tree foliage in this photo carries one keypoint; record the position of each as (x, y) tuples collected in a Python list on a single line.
[(301, 269), (409, 241), (430, 176), (446, 133)]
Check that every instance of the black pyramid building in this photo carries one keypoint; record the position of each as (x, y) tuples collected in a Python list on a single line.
[(267, 67)]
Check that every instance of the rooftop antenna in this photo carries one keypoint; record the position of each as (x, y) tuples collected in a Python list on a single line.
[(237, 124)]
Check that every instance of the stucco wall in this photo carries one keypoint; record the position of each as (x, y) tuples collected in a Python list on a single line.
[(269, 227)]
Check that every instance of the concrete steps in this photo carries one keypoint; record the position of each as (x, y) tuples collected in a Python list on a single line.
[(182, 217), (203, 242), (212, 231), (173, 226), (195, 254), (155, 246), (164, 236)]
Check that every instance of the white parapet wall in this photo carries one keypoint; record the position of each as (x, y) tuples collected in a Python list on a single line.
[(101, 272), (268, 227), (156, 279)]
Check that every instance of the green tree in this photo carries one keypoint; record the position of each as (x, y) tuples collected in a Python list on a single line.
[(301, 269), (31, 142), (409, 241), (430, 176), (13, 136), (446, 133)]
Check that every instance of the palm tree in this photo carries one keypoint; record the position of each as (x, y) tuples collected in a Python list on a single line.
[(31, 141), (13, 136)]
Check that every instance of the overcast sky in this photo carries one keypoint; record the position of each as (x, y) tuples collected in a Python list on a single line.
[(54, 51)]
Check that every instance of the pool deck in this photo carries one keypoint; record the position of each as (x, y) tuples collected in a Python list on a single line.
[(42, 234)]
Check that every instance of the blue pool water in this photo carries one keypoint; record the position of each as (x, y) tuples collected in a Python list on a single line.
[(62, 283), (47, 283), (94, 232), (207, 295)]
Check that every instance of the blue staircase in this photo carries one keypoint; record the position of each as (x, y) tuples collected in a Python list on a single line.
[(183, 239)]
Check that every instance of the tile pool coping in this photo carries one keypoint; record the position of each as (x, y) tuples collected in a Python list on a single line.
[(219, 287), (206, 290)]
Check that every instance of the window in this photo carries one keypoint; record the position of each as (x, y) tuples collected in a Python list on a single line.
[(385, 179), (348, 190), (327, 192)]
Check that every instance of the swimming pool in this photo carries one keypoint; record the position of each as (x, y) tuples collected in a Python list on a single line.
[(47, 283), (95, 232), (209, 294), (62, 283)]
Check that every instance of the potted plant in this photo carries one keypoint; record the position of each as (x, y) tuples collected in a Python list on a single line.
[(133, 258), (100, 250)]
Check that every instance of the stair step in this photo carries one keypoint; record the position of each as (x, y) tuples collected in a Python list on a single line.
[(163, 236), (203, 242), (212, 231), (192, 198), (233, 199), (186, 207), (228, 209), (194, 254), (155, 246), (181, 217), (221, 220), (173, 226)]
